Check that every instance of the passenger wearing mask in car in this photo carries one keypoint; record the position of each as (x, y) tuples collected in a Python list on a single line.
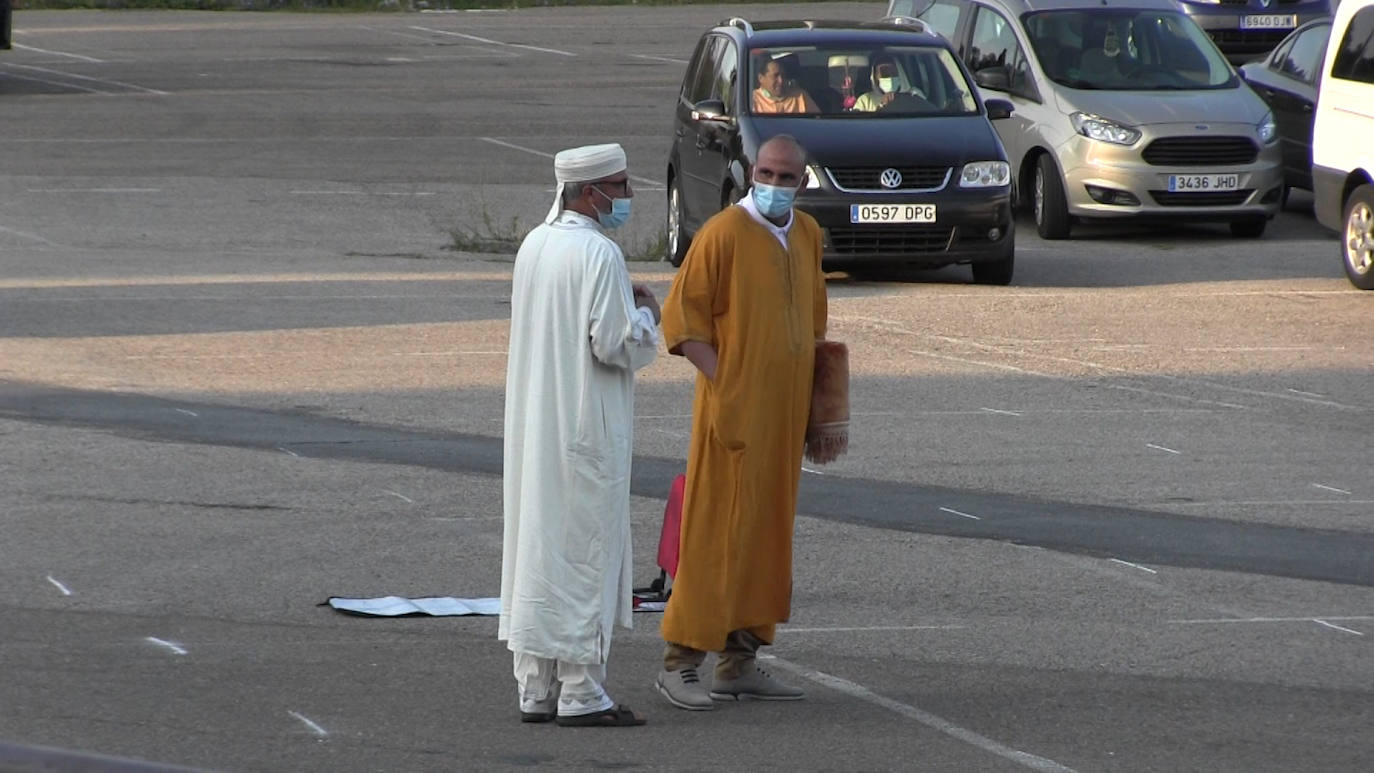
[(1109, 62), (775, 95), (888, 83)]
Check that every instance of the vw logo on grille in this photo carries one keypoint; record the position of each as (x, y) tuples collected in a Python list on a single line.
[(890, 178), (1266, 3)]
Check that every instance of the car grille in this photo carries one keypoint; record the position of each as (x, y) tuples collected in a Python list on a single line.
[(1201, 151), (867, 178), (1256, 39), (873, 240), (1212, 199)]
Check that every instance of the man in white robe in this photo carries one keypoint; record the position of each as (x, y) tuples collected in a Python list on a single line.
[(579, 330)]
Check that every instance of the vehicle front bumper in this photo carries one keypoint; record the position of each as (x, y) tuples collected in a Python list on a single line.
[(966, 220), (1090, 164)]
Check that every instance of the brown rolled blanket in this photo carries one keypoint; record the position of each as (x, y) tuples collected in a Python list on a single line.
[(827, 433)]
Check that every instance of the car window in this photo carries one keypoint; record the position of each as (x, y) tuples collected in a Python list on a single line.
[(943, 17), (1279, 54), (701, 73), (1355, 58), (726, 76), (995, 56), (1126, 50), (1304, 58), (858, 82)]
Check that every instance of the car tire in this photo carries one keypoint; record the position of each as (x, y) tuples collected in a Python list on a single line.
[(996, 272), (678, 241), (1252, 228), (1048, 204), (1357, 237)]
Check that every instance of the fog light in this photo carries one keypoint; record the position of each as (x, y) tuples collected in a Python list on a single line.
[(1111, 196), (1274, 194), (994, 234)]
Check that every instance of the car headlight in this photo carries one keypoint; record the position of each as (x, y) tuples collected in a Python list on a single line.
[(985, 174), (1268, 130), (813, 178), (1099, 128)]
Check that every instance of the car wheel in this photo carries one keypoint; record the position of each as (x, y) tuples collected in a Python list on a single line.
[(994, 272), (1357, 242), (1050, 207), (678, 242), (1249, 229)]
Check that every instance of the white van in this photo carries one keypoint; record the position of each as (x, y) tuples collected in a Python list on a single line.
[(1342, 151)]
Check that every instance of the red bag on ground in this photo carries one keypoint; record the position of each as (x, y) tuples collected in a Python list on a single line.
[(671, 536)]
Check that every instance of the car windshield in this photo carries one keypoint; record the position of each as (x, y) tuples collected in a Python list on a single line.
[(1125, 50), (858, 82)]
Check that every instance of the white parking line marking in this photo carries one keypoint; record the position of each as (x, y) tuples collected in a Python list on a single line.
[(1337, 627), (401, 497), (1213, 620), (813, 472), (1330, 488), (924, 717), (961, 515), (489, 41), (24, 235), (310, 723), (58, 53), (60, 586), (1135, 566), (101, 81), (995, 410), (362, 193), (288, 451), (862, 628), (59, 84), (668, 59), (176, 649), (188, 413), (1162, 448), (1307, 394), (542, 154), (94, 190)]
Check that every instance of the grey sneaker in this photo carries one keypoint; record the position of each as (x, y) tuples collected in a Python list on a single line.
[(754, 684), (683, 689)]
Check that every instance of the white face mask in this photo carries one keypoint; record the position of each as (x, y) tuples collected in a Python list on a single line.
[(888, 85)]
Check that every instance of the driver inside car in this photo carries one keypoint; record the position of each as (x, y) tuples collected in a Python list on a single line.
[(887, 83)]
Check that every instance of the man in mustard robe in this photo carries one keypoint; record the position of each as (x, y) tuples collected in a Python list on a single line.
[(746, 308)]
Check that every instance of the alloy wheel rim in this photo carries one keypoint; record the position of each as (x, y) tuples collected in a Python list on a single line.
[(1359, 239), (673, 221), (1039, 196)]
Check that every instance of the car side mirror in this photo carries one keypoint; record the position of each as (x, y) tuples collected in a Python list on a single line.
[(995, 78), (998, 108), (709, 110)]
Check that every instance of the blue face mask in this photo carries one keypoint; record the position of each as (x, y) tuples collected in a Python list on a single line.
[(620, 211), (773, 200)]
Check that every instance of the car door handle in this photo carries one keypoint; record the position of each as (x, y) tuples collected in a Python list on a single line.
[(1307, 107)]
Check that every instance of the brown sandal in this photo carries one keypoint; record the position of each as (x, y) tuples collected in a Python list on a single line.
[(616, 716)]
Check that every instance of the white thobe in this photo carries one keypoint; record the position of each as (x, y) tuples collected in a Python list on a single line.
[(576, 339)]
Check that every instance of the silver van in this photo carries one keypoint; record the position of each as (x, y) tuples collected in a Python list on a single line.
[(1124, 109)]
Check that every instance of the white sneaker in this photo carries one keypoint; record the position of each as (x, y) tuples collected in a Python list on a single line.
[(683, 689)]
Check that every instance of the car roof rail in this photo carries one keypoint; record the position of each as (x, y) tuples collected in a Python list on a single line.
[(742, 23), (911, 21)]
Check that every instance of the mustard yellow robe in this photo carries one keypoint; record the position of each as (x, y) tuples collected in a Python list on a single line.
[(762, 308)]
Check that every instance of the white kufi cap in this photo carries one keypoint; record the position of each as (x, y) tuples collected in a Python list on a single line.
[(589, 162)]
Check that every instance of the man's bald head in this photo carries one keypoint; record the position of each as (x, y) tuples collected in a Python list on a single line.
[(787, 147)]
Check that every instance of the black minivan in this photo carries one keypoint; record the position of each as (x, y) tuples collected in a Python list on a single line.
[(905, 168)]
